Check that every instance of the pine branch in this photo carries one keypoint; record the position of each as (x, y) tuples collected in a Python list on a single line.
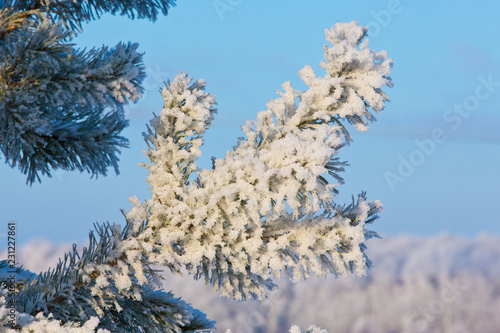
[(62, 108), (267, 208), (91, 284), (54, 99)]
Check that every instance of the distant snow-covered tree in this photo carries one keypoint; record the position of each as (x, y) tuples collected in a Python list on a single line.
[(61, 107), (264, 211)]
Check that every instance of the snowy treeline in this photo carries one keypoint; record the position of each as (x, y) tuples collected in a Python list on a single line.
[(439, 284)]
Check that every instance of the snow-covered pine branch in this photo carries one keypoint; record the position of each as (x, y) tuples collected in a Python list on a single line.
[(98, 287), (267, 208)]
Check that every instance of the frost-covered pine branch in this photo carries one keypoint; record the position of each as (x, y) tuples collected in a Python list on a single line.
[(97, 288), (60, 107), (265, 210)]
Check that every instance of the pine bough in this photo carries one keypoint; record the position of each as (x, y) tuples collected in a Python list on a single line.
[(264, 211), (60, 107)]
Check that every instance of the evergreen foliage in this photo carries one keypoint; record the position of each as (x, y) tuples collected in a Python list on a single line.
[(61, 107), (67, 294)]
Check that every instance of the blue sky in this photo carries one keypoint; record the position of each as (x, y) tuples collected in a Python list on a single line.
[(447, 82)]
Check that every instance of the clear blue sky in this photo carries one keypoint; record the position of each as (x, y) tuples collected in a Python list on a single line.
[(440, 52)]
